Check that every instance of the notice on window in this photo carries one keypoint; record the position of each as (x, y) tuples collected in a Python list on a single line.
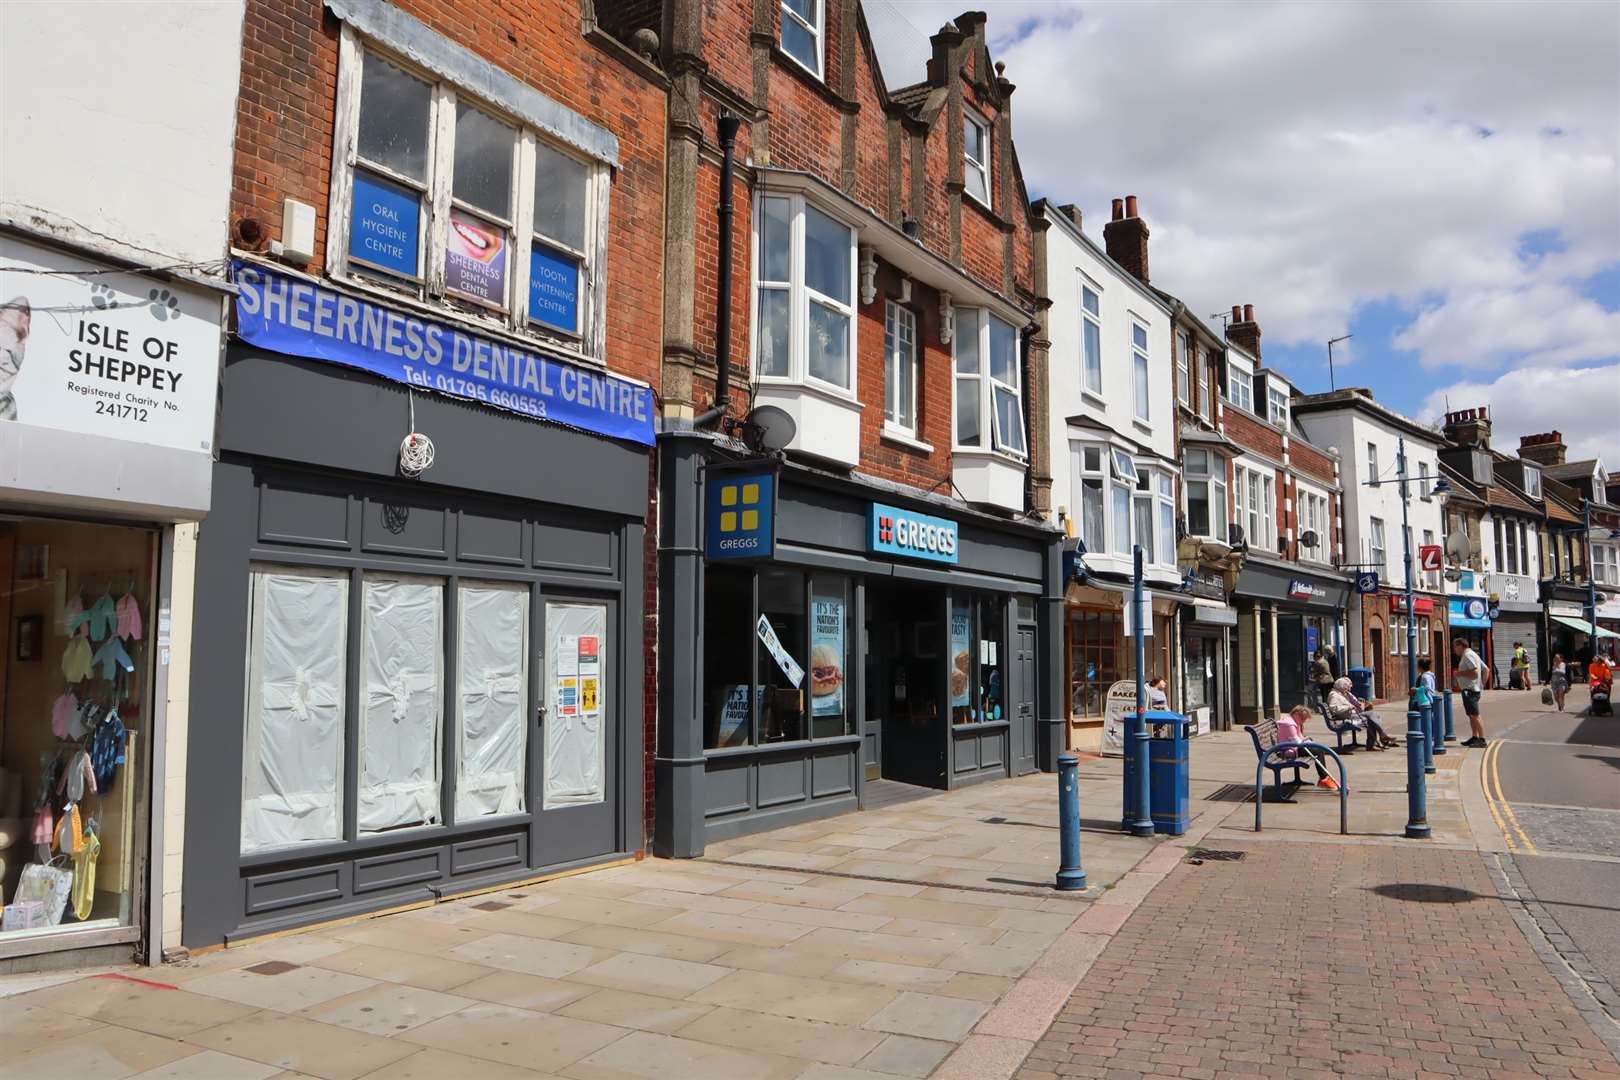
[(734, 716), (827, 659), (568, 655), (589, 652), (961, 658), (568, 696), (773, 645), (475, 259)]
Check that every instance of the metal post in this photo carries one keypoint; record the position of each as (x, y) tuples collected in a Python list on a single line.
[(1427, 719), (1437, 732), (1070, 875), (1591, 580), (1142, 823), (1417, 796), (1451, 730), (1419, 754)]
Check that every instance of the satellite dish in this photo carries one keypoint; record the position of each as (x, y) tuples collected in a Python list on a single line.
[(768, 429), (1458, 547), (1234, 535), (1454, 575), (1309, 538)]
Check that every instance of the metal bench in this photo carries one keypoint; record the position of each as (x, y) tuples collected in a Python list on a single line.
[(1340, 728), (1274, 754)]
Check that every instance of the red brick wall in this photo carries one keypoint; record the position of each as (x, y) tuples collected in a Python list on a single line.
[(1311, 461), (1252, 433), (285, 120)]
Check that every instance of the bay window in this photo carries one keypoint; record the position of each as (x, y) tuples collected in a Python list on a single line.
[(1255, 494), (989, 395), (802, 29), (1139, 370), (1165, 537), (1090, 480), (1205, 481), (976, 157), (1142, 516), (900, 369), (1091, 326), (804, 288), (1125, 479), (437, 195)]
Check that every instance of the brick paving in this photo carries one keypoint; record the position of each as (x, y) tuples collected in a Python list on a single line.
[(1316, 960)]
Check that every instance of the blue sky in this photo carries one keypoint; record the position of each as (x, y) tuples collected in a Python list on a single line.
[(1441, 180)]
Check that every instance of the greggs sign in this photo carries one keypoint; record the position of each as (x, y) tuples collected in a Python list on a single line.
[(913, 535)]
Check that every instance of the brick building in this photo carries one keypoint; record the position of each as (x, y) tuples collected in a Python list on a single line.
[(854, 578), (434, 475)]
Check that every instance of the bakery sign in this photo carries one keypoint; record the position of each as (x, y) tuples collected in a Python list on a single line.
[(91, 349), (918, 536)]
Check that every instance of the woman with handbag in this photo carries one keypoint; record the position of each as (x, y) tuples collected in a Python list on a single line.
[(1558, 682)]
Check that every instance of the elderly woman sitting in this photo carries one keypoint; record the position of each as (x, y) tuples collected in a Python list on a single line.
[(1344, 708)]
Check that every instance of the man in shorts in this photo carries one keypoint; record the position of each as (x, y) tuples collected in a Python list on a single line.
[(1468, 672)]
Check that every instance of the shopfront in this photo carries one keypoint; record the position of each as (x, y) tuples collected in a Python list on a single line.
[(1516, 618), (416, 687), (821, 633), (1206, 628), (106, 424), (1469, 618), (1285, 614), (1100, 650)]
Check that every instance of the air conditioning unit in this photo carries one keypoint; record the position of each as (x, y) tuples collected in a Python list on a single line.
[(1309, 539)]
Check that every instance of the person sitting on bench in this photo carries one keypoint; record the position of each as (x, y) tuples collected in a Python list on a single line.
[(1291, 728), (1345, 708)]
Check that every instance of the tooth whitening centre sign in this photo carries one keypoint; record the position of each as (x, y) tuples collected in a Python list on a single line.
[(299, 318)]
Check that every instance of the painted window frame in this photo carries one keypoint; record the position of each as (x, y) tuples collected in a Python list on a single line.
[(989, 385), (1277, 412), (1312, 504), (1532, 482), (1378, 544), (437, 202), (1184, 362), (818, 34), (899, 325), (1372, 460), (1141, 374), (976, 167), (1090, 477), (801, 296), (1423, 482), (1255, 495), (1240, 381), (1206, 386), (1091, 360), (1211, 477)]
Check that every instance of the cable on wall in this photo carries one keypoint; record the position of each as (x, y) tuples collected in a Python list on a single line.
[(416, 449)]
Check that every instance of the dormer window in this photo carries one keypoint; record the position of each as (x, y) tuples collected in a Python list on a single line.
[(1240, 389), (803, 22), (976, 157), (1532, 482), (1277, 405)]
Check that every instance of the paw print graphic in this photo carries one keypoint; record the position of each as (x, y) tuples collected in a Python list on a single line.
[(164, 305), (103, 297)]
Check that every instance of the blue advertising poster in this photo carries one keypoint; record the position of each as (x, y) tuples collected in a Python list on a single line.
[(916, 536), (741, 517), (299, 318), (387, 226), (1312, 641), (554, 289)]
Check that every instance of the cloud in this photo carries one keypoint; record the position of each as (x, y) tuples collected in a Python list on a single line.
[(1317, 159), (1581, 402)]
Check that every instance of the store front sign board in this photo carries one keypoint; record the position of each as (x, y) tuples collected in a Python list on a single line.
[(912, 535), (294, 317), (740, 515)]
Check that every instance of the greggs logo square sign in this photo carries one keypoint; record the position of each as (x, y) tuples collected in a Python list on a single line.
[(915, 536)]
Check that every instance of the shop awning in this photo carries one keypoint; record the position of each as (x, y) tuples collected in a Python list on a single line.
[(1583, 626)]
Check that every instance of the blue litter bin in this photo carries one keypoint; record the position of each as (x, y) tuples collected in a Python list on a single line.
[(1169, 777), (1361, 682)]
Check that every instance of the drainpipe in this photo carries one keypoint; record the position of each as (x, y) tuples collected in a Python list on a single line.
[(1027, 407), (722, 331)]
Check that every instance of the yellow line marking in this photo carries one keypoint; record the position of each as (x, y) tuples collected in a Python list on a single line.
[(1490, 800), (1493, 757)]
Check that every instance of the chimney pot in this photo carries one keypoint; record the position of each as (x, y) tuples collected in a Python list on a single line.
[(1248, 313), (1119, 209), (1130, 206), (1237, 313)]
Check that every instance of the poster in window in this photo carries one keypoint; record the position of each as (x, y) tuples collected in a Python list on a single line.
[(827, 658), (575, 739), (475, 259), (386, 226), (734, 714), (554, 288), (961, 656)]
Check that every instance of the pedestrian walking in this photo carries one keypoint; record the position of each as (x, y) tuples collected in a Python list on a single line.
[(1468, 674), (1559, 682), (1520, 677)]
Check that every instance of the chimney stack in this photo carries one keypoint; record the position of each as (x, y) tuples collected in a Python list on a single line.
[(1469, 427), (1126, 238), (1072, 212), (1547, 448), (1244, 332)]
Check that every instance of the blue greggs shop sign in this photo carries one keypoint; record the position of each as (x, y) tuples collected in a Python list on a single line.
[(913, 535), (741, 517)]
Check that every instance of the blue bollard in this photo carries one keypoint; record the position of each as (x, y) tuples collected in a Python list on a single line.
[(1451, 731), (1437, 733), (1426, 731), (1070, 876), (1417, 795)]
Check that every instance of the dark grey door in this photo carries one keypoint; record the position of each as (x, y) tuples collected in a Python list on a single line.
[(1023, 701), (872, 716), (576, 806)]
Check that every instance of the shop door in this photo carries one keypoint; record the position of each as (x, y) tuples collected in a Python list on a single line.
[(1375, 643), (1291, 661), (1023, 699), (905, 679), (577, 740), (875, 647)]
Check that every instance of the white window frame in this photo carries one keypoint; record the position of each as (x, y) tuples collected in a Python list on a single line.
[(1122, 483), (1091, 367), (1423, 482), (1164, 519), (437, 201), (1212, 477), (1099, 475), (899, 326), (1606, 564), (800, 297), (1313, 515), (1377, 544), (1206, 386), (1277, 410), (1532, 482), (1141, 387), (989, 416), (1240, 389), (972, 164), (1372, 461), (816, 30), (1184, 363), (1256, 503)]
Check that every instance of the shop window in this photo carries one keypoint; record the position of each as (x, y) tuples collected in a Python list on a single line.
[(1096, 661), (292, 765), (1205, 484), (988, 383), (900, 370), (728, 669), (805, 295), (576, 702), (443, 198), (978, 688), (832, 713), (401, 715), (781, 671), (802, 29), (492, 689)]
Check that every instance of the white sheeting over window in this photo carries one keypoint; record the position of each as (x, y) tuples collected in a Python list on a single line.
[(292, 762), (492, 673), (402, 702), (576, 702)]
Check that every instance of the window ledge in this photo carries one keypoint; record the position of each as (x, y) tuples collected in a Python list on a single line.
[(809, 386), (901, 437), (1093, 397), (980, 454), (1142, 425)]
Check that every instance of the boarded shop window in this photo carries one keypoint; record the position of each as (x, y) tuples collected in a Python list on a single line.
[(576, 701), (492, 677), (402, 703)]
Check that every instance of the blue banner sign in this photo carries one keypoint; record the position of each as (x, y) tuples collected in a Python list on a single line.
[(387, 226), (916, 536), (741, 515), (554, 289), (299, 318)]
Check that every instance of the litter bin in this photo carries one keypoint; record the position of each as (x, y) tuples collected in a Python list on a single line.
[(1170, 800), (1361, 682)]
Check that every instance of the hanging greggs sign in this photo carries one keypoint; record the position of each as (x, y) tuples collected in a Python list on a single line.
[(913, 535)]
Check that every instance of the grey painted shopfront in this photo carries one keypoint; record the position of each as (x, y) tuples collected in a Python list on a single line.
[(405, 689), (863, 663), (1285, 613)]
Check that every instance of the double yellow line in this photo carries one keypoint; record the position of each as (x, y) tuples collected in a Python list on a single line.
[(1491, 779)]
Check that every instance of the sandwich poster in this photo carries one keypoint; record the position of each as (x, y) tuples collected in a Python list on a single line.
[(961, 657), (827, 659)]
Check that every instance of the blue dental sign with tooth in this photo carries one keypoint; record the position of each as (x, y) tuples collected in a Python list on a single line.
[(912, 535)]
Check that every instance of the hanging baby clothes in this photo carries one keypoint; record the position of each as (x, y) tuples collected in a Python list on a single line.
[(69, 835), (76, 660), (85, 720), (84, 874), (129, 617), (63, 712), (107, 750), (101, 619), (78, 779), (112, 656), (77, 620), (43, 832)]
